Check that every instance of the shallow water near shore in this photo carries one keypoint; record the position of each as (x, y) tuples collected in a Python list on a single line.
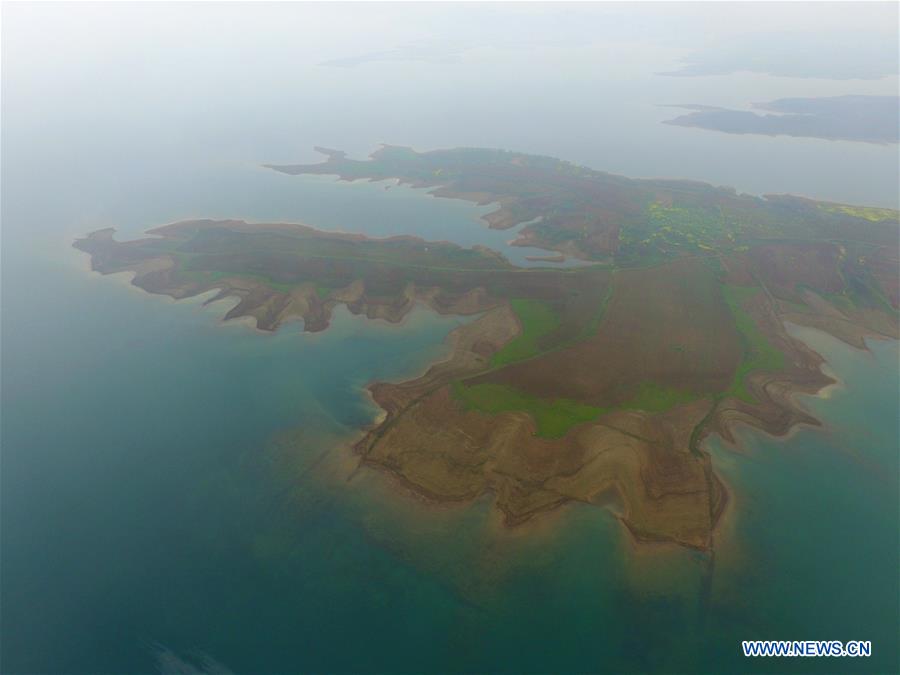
[(218, 513), (175, 490), (178, 494)]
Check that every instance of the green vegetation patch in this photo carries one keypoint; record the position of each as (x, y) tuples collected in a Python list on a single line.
[(653, 397), (869, 213), (553, 417), (538, 320), (759, 354), (671, 229)]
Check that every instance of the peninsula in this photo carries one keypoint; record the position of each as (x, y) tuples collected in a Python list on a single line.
[(572, 384)]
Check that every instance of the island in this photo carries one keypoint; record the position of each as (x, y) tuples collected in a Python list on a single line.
[(594, 384), (868, 119)]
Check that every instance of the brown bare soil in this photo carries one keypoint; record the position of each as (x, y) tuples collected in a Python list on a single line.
[(283, 271), (667, 325), (694, 311), (442, 452)]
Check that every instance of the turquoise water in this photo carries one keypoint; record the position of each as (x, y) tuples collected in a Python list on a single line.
[(177, 490), (811, 548), (177, 493), (136, 486)]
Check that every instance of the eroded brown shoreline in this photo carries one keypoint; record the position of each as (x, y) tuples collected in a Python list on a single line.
[(668, 324), (269, 306), (776, 414)]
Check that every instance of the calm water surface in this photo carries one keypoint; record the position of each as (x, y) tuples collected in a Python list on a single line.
[(177, 493)]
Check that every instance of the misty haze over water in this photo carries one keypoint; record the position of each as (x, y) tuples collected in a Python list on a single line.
[(165, 501)]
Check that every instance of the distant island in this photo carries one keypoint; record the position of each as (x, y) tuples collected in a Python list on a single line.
[(869, 119), (572, 384)]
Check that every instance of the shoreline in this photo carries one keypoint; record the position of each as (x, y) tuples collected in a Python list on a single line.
[(732, 420), (429, 190), (659, 484), (831, 384), (392, 182), (270, 307), (726, 505)]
